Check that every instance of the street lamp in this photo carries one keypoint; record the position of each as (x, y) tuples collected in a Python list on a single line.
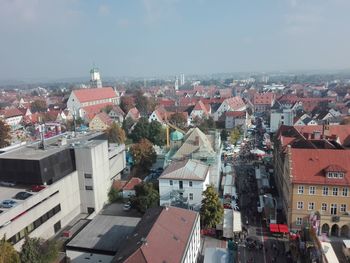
[(274, 199)]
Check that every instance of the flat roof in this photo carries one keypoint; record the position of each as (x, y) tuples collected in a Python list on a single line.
[(104, 233), (10, 192), (32, 152)]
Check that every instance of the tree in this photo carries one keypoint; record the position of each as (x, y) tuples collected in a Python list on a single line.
[(114, 195), (7, 253), (143, 153), (30, 250), (5, 136), (141, 102), (156, 133), (126, 103), (145, 197), (211, 211), (127, 124), (116, 134), (179, 120), (38, 250), (235, 135), (141, 130), (223, 135), (38, 106), (107, 109)]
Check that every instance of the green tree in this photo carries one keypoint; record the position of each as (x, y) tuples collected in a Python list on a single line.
[(179, 120), (211, 211), (30, 250), (5, 136), (235, 135), (223, 135), (107, 109), (114, 195), (143, 153), (38, 251), (38, 106), (141, 130), (116, 134), (141, 102), (127, 124), (7, 253), (156, 133), (145, 197)]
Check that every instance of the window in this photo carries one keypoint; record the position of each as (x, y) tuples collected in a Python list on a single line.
[(181, 185), (330, 175), (299, 221), (171, 182), (88, 187), (325, 190), (341, 175), (343, 208), (300, 189), (311, 206), (57, 226), (333, 209), (345, 191), (190, 183), (335, 191), (300, 205), (88, 176), (191, 196), (312, 190), (324, 207)]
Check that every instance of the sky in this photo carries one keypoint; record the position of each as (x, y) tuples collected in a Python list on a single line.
[(53, 39)]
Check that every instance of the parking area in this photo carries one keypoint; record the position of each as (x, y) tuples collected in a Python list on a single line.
[(116, 209)]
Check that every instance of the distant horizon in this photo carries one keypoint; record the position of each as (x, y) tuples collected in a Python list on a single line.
[(60, 39)]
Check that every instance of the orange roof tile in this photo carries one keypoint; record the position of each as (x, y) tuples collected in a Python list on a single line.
[(84, 95)]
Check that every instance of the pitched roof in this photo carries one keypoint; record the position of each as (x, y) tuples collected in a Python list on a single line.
[(117, 109), (12, 112), (186, 170), (92, 110), (134, 113), (340, 131), (161, 236), (263, 98), (85, 95), (195, 141), (104, 118), (235, 103), (308, 166), (131, 183), (200, 106)]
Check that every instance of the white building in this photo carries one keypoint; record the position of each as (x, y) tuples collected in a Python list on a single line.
[(95, 78), (83, 101), (183, 183), (231, 104), (69, 179), (281, 117)]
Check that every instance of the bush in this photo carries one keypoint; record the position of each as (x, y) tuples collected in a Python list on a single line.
[(114, 195)]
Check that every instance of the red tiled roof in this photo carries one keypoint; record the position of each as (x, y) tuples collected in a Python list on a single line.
[(118, 185), (200, 106), (84, 95), (341, 131), (264, 98), (308, 165), (335, 168), (12, 112), (131, 184), (104, 118), (92, 110), (235, 103), (134, 113)]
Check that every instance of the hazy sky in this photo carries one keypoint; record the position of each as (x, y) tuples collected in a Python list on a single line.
[(63, 38)]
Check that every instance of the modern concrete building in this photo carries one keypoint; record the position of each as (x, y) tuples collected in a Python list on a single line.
[(57, 183)]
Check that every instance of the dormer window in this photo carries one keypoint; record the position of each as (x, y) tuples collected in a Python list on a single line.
[(336, 175)]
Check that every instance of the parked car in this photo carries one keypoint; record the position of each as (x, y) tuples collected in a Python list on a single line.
[(11, 184), (22, 195), (8, 203), (37, 188)]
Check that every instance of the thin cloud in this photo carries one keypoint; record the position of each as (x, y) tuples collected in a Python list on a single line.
[(103, 10)]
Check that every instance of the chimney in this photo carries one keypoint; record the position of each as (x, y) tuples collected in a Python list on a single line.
[(196, 141)]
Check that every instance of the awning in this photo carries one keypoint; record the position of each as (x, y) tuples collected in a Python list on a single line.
[(278, 228), (274, 228)]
